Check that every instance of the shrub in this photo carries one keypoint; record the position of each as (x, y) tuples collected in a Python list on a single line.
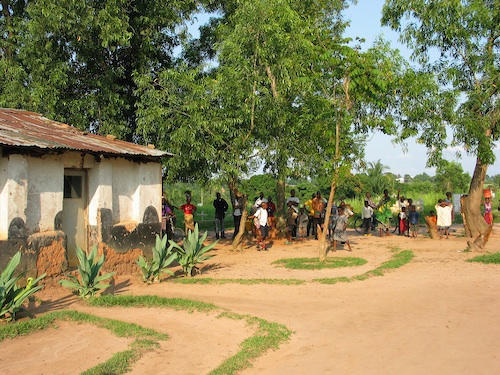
[(162, 258), (12, 296), (88, 281), (192, 251)]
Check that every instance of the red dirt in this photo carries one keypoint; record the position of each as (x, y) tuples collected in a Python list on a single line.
[(436, 315)]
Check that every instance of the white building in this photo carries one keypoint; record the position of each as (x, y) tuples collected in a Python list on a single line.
[(61, 187)]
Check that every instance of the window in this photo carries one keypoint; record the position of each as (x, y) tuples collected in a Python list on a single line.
[(72, 186)]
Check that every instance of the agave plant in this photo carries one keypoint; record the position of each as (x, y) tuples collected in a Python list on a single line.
[(192, 251), (162, 259), (89, 281), (12, 296)]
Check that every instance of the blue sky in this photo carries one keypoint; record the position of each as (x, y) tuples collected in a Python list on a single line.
[(365, 23)]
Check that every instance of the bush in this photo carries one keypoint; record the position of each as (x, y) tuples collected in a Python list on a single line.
[(162, 258), (192, 251), (12, 296), (88, 283)]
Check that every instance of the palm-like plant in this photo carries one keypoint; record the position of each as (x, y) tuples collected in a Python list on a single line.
[(192, 251), (162, 259), (12, 296), (89, 281)]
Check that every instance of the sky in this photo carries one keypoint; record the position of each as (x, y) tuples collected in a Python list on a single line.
[(365, 23)]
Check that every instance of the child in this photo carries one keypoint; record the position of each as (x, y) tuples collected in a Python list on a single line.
[(366, 214), (303, 220), (488, 215), (340, 234), (189, 210), (291, 224), (431, 221), (413, 217), (444, 212), (260, 225), (402, 219)]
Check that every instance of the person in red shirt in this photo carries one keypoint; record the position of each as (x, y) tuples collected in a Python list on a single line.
[(189, 210)]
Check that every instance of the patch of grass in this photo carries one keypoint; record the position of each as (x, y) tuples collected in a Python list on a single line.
[(315, 264), (152, 301), (486, 259), (269, 335), (120, 363), (397, 260), (208, 280)]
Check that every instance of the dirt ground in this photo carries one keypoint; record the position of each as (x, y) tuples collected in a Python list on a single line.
[(436, 315)]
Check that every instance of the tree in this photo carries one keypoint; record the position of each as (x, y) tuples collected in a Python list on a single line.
[(465, 35), (450, 176), (78, 60)]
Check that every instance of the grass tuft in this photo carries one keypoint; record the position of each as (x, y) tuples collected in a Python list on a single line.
[(211, 281), (397, 260), (486, 259), (315, 264)]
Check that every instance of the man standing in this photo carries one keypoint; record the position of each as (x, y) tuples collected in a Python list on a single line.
[(237, 212), (221, 207), (293, 202)]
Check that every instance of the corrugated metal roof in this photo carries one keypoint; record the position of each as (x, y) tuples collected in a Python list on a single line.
[(21, 128)]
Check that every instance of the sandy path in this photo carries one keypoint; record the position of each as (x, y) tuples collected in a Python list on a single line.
[(436, 315)]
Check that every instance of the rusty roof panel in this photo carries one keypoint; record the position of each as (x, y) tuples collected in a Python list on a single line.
[(21, 128)]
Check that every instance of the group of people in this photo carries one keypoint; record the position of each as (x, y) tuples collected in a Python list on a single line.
[(303, 221)]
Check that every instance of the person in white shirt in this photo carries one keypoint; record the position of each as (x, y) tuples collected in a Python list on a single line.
[(366, 215), (260, 225)]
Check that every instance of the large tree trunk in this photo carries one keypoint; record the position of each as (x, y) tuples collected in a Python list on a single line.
[(477, 230)]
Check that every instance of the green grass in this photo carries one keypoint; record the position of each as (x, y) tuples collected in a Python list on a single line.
[(398, 260), (211, 281), (145, 339), (315, 264), (269, 335), (152, 301), (487, 259)]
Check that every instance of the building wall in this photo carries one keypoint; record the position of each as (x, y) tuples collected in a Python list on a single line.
[(124, 202)]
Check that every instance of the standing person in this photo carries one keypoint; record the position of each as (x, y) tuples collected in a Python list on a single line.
[(372, 204), (367, 215), (291, 224), (443, 211), (333, 220), (310, 214), (189, 210), (384, 214), (293, 201), (257, 202), (237, 212), (260, 224), (221, 207), (402, 221), (488, 214), (271, 219), (413, 219), (318, 207), (340, 232), (303, 220)]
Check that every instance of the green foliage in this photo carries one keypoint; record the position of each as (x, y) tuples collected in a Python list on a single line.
[(12, 296), (89, 281), (399, 259), (486, 259), (315, 264), (192, 252), (162, 259)]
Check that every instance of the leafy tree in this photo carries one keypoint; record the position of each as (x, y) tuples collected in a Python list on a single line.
[(465, 34), (450, 176), (77, 61)]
